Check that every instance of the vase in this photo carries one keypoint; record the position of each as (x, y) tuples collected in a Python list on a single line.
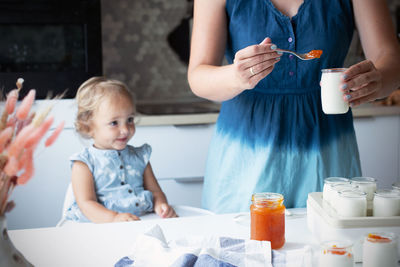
[(9, 255)]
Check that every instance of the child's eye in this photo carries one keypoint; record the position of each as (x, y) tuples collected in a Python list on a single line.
[(114, 123), (131, 120)]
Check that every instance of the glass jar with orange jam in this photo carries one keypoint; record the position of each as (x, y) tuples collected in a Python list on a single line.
[(267, 214)]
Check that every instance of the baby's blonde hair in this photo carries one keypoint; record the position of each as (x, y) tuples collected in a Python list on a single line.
[(89, 96)]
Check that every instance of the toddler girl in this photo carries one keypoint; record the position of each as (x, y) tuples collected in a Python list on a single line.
[(112, 181)]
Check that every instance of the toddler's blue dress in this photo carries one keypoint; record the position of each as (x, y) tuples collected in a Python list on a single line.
[(118, 180), (275, 137)]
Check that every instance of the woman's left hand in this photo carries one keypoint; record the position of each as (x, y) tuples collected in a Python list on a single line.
[(165, 211), (361, 83)]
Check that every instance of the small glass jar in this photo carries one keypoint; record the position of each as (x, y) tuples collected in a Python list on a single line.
[(366, 184), (352, 203), (396, 186), (335, 193), (328, 183), (267, 219), (380, 250), (336, 253), (386, 203)]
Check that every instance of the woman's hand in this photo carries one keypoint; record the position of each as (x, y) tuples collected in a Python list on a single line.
[(125, 217), (165, 211), (362, 83), (255, 62)]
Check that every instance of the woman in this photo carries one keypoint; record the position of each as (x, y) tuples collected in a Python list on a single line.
[(271, 134)]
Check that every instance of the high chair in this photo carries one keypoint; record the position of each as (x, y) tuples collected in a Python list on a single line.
[(181, 210)]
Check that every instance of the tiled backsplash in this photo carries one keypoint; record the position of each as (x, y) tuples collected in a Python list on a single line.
[(137, 51), (140, 43)]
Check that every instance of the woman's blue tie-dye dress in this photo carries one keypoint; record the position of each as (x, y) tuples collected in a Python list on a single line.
[(275, 138)]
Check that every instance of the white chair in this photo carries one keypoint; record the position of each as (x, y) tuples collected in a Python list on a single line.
[(68, 200), (181, 210)]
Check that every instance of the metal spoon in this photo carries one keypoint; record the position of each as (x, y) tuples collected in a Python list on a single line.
[(313, 54)]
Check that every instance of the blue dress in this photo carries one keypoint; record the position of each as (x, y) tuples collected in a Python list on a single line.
[(118, 180), (275, 137)]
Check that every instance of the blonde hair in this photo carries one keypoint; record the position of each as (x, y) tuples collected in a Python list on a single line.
[(89, 96)]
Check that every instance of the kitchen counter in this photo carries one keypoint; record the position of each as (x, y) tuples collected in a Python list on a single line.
[(65, 110), (87, 244), (366, 110)]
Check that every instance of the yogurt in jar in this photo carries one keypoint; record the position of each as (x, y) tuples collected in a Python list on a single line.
[(336, 254), (328, 183), (334, 198), (386, 203), (380, 250), (331, 95), (352, 203), (366, 184)]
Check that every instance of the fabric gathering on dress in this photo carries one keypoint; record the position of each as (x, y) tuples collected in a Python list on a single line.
[(275, 137), (118, 180)]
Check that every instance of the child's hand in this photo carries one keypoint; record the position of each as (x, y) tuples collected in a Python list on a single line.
[(125, 217), (165, 211)]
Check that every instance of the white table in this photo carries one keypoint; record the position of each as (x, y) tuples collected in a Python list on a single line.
[(104, 244)]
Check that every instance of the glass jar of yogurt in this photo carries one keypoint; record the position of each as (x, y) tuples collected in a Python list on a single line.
[(335, 254), (380, 250), (366, 184), (328, 183), (334, 198), (386, 203), (352, 203)]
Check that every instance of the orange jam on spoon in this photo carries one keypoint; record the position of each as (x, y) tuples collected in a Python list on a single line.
[(314, 54)]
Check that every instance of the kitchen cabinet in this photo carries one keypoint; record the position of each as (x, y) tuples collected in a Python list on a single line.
[(379, 145), (178, 160)]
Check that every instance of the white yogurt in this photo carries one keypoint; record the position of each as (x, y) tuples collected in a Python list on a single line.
[(380, 250), (366, 184), (386, 203), (331, 95), (336, 188), (328, 183), (336, 254), (352, 203)]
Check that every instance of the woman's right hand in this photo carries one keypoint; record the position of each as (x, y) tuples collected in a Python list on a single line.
[(254, 63), (125, 217)]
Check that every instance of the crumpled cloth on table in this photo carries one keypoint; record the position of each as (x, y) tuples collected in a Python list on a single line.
[(151, 249)]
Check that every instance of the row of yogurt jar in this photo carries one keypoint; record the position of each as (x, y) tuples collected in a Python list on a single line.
[(359, 197), (378, 250)]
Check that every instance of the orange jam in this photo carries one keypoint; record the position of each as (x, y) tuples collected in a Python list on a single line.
[(374, 238), (337, 251), (267, 214), (314, 54)]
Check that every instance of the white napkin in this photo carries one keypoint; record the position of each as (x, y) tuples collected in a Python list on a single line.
[(151, 249)]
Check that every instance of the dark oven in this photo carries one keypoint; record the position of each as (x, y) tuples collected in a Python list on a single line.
[(54, 45)]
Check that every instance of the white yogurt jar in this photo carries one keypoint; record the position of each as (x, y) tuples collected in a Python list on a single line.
[(331, 95), (366, 184), (386, 203), (328, 183), (336, 188), (380, 250), (352, 203), (336, 254)]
